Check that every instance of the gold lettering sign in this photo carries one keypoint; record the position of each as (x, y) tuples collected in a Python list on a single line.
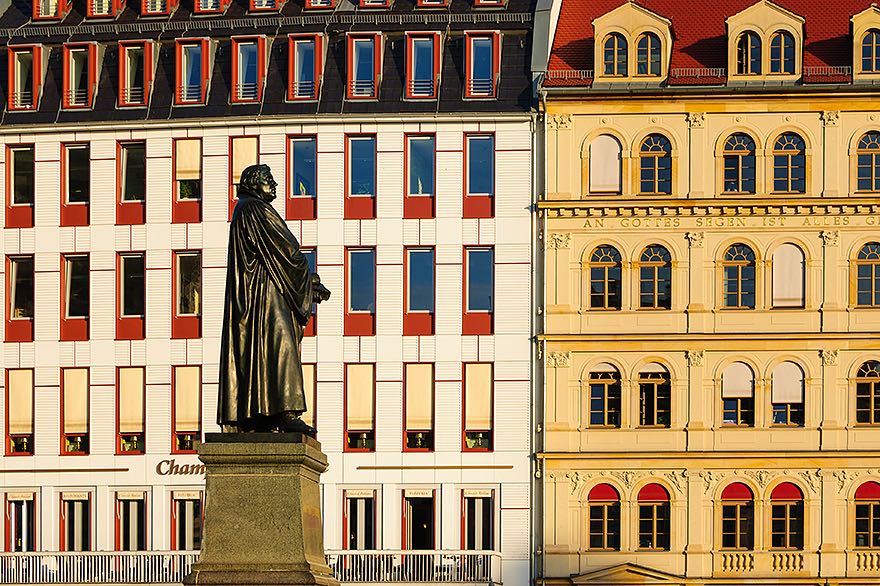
[(130, 495), (74, 496), (360, 493), (732, 222), (19, 496), (477, 492), (418, 493), (186, 495)]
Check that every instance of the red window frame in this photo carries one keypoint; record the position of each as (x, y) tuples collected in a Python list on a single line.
[(61, 11), (490, 3), (377, 65), (496, 63), (462, 505), (129, 212), (222, 5), (186, 211), (359, 323), (476, 323), (116, 7), (18, 215), (464, 429), (233, 195), (62, 522), (8, 436), (410, 62), (18, 329), (478, 205), (260, 40), (179, 95), (32, 521), (276, 5), (88, 411), (300, 207), (36, 52), (432, 3), (146, 9), (417, 206), (291, 66), (320, 4), (129, 327), (73, 329), (147, 46), (346, 432), (417, 323), (92, 50), (374, 3), (348, 495), (117, 520), (72, 214), (174, 432), (312, 325), (143, 450), (183, 326), (432, 431), (360, 207), (175, 520), (403, 535)]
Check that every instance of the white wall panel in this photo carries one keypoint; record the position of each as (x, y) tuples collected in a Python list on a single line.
[(368, 233), (389, 185), (26, 241), (426, 348), (330, 415), (102, 312), (159, 145), (448, 201), (447, 370), (26, 355), (351, 232), (103, 409), (46, 372), (47, 208), (330, 371), (211, 359), (11, 239), (194, 236), (511, 416), (389, 416), (102, 239), (270, 143), (389, 350), (159, 187), (138, 352), (512, 306), (330, 184), (410, 349), (158, 373), (103, 374), (178, 351), (158, 419), (82, 239), (214, 292), (390, 138), (449, 138), (331, 139), (389, 305), (486, 228), (178, 236), (46, 421), (515, 536), (82, 354), (215, 145), (47, 306), (351, 349), (158, 318), (448, 304), (122, 238), (102, 353), (67, 238), (469, 349), (210, 397), (368, 348), (215, 189), (486, 348), (513, 183), (389, 371), (122, 353), (331, 234), (447, 421)]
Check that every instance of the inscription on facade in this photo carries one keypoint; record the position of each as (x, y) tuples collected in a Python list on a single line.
[(734, 222)]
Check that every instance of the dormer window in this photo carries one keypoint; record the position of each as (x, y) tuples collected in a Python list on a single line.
[(102, 8), (648, 55), (489, 3), (320, 4), (210, 6), (50, 9), (305, 66), (364, 66), (782, 53), (25, 77), (482, 64), (192, 71), (264, 5), (158, 7), (432, 3), (374, 3), (871, 51), (135, 72), (248, 69), (614, 50), (748, 54), (79, 75), (423, 66)]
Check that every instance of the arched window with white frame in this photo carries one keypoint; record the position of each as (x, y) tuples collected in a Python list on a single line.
[(738, 395), (605, 165), (787, 395)]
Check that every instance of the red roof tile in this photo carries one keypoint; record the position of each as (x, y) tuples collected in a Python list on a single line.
[(699, 35)]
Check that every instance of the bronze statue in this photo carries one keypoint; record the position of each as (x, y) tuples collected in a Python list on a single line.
[(269, 295)]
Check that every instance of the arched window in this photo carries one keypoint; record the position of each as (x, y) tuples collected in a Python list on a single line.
[(653, 518), (603, 504), (605, 164), (868, 162), (868, 515), (868, 275), (614, 49), (655, 396), (648, 54), (748, 54), (604, 388), (739, 277), (738, 395), (871, 52), (787, 395), (737, 517), (782, 53), (788, 276), (605, 278), (789, 164), (655, 278), (786, 517), (868, 393), (655, 161), (739, 164)]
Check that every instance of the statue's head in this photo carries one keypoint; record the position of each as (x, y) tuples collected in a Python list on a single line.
[(257, 181)]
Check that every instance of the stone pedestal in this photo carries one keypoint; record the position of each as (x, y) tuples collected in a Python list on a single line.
[(262, 511)]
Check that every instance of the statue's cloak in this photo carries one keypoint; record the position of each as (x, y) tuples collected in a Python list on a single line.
[(268, 303)]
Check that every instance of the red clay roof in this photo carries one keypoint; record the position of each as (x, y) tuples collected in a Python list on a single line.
[(699, 35)]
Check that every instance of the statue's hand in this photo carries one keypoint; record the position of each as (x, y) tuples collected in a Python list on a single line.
[(319, 291)]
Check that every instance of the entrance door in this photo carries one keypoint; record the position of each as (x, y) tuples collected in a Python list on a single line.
[(20, 524), (419, 521)]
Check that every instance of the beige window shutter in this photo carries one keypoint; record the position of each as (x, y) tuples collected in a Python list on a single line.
[(309, 388), (359, 383), (131, 400), (419, 397), (21, 402), (605, 165), (244, 154), (737, 381), (187, 384), (188, 158), (76, 400), (788, 276), (788, 384), (478, 397)]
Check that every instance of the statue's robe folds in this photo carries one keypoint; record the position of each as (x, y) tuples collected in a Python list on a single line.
[(268, 303)]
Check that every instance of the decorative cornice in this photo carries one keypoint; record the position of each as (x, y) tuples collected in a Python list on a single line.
[(704, 207)]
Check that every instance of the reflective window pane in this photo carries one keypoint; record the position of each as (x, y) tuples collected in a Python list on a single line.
[(78, 171), (421, 165), (77, 284), (362, 280), (420, 264), (362, 166), (304, 166), (480, 276), (481, 165)]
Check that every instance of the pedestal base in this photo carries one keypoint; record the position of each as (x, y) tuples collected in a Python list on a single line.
[(262, 511)]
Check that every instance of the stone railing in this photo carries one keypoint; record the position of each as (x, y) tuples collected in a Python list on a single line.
[(407, 566)]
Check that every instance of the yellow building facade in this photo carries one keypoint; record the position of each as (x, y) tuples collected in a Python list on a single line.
[(711, 309)]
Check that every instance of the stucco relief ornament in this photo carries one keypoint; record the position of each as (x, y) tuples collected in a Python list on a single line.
[(812, 478), (695, 357), (559, 121), (627, 477), (577, 479), (696, 119), (559, 359), (830, 237), (829, 357), (710, 479), (831, 118), (762, 477), (559, 240), (695, 239), (844, 477), (678, 479)]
